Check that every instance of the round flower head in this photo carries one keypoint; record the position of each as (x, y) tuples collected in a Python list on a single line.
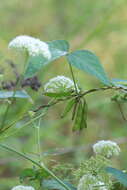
[(32, 45), (106, 148), (59, 84), (20, 187), (89, 182)]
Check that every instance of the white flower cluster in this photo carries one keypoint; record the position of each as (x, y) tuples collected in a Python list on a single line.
[(20, 187), (106, 148), (90, 182), (32, 45), (59, 84)]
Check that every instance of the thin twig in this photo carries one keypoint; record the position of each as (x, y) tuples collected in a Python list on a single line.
[(73, 78), (81, 95), (121, 111)]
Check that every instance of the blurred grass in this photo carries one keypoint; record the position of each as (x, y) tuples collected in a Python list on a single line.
[(96, 25)]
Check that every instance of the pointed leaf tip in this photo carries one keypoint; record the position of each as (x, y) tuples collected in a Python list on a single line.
[(87, 61)]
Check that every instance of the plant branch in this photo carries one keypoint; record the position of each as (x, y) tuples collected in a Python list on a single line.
[(42, 166), (27, 123), (79, 95), (52, 102), (103, 89)]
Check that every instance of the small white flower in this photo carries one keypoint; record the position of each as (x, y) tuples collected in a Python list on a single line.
[(21, 187), (90, 182), (32, 45), (106, 148), (59, 84)]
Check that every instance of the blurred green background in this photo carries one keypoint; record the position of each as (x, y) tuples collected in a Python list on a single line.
[(97, 25)]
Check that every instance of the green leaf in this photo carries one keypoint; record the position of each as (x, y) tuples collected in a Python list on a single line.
[(84, 116), (88, 62), (33, 174), (81, 116), (78, 118), (68, 108), (57, 48), (118, 174), (12, 94), (28, 173), (41, 174), (53, 184)]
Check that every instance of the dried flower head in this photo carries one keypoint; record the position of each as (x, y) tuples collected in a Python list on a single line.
[(59, 84), (90, 182), (106, 148), (32, 45), (21, 187)]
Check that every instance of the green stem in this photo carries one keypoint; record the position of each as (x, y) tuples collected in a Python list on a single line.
[(42, 166), (28, 123), (73, 78), (37, 128), (45, 109), (5, 116), (38, 139), (121, 110), (60, 100)]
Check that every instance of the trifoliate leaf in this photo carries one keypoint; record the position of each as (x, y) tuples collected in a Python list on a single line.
[(87, 61)]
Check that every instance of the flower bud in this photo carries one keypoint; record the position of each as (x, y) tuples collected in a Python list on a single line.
[(106, 148), (90, 182), (59, 84), (33, 46), (21, 187)]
